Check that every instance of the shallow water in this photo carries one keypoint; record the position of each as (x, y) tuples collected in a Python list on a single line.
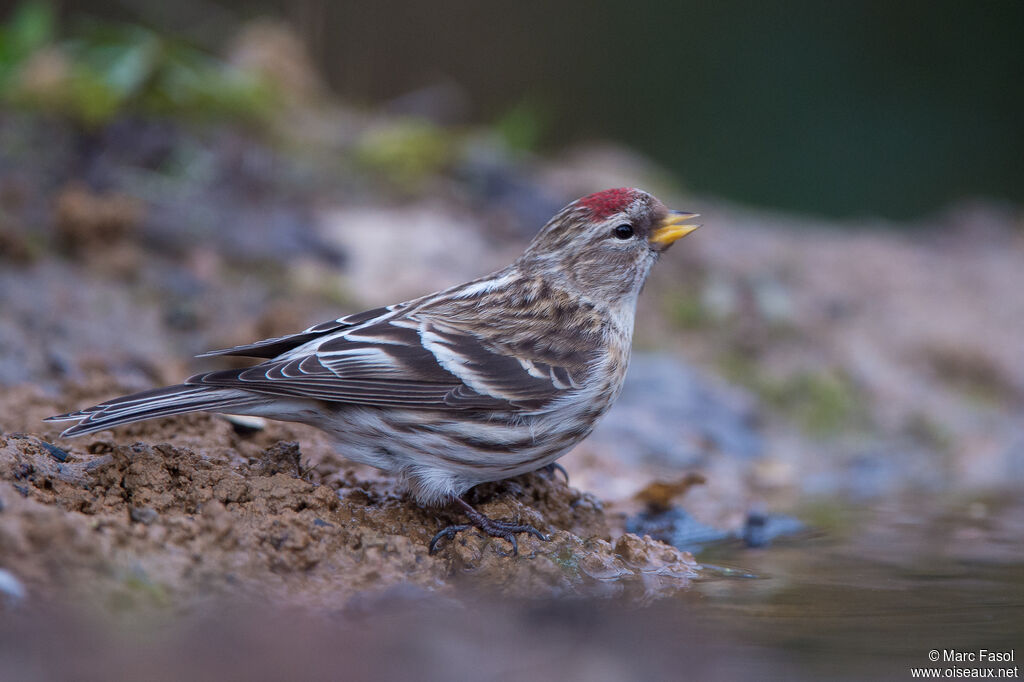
[(873, 593)]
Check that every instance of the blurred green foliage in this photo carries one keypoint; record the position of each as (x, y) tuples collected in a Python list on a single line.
[(686, 310), (847, 109), (823, 402), (30, 28), (925, 429), (407, 152), (101, 70), (523, 127)]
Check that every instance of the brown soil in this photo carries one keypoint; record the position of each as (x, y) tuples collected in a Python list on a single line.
[(173, 511)]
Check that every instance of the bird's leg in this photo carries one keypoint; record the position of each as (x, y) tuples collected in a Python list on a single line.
[(550, 470), (496, 529)]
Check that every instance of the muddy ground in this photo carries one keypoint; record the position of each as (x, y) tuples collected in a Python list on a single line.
[(177, 511)]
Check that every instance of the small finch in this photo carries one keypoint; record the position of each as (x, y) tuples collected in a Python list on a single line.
[(480, 382)]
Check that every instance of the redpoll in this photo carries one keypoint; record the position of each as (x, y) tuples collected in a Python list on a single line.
[(480, 382)]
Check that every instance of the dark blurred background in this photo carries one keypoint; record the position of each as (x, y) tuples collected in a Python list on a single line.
[(890, 109)]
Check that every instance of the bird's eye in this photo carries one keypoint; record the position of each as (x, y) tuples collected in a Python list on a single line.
[(623, 231)]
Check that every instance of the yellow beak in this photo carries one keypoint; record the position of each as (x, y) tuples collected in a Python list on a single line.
[(672, 228)]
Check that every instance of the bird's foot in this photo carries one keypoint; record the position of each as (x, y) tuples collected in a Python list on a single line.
[(496, 529), (550, 470)]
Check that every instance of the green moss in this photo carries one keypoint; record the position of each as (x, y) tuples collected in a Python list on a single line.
[(136, 589), (407, 152), (823, 402), (931, 433), (523, 126), (568, 561), (737, 367), (338, 295), (685, 311), (827, 514), (30, 27), (101, 70)]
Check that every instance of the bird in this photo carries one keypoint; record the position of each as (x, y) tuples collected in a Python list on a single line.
[(480, 382)]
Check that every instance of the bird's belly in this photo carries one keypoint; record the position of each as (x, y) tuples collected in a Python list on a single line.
[(457, 440), (444, 454)]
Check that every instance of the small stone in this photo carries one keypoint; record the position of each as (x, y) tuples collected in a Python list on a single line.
[(145, 515), (761, 529), (57, 453), (12, 592)]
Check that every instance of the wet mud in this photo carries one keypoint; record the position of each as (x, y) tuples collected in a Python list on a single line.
[(172, 511)]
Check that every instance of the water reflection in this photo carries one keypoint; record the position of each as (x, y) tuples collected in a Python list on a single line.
[(875, 595)]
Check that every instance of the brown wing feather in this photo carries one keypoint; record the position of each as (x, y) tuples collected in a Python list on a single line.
[(389, 364), (271, 348)]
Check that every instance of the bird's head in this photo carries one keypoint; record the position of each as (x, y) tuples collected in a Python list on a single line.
[(604, 244)]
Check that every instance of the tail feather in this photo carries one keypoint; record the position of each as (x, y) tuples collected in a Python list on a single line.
[(159, 402)]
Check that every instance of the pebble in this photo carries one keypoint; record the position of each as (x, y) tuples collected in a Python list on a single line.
[(677, 528), (145, 515), (57, 453), (12, 592)]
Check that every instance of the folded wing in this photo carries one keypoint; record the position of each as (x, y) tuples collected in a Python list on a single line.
[(405, 362), (271, 348)]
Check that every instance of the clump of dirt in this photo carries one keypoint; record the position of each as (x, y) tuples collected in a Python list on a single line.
[(171, 511), (85, 220), (100, 229)]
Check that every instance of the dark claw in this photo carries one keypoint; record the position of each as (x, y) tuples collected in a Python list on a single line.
[(496, 529), (448, 532), (550, 470)]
